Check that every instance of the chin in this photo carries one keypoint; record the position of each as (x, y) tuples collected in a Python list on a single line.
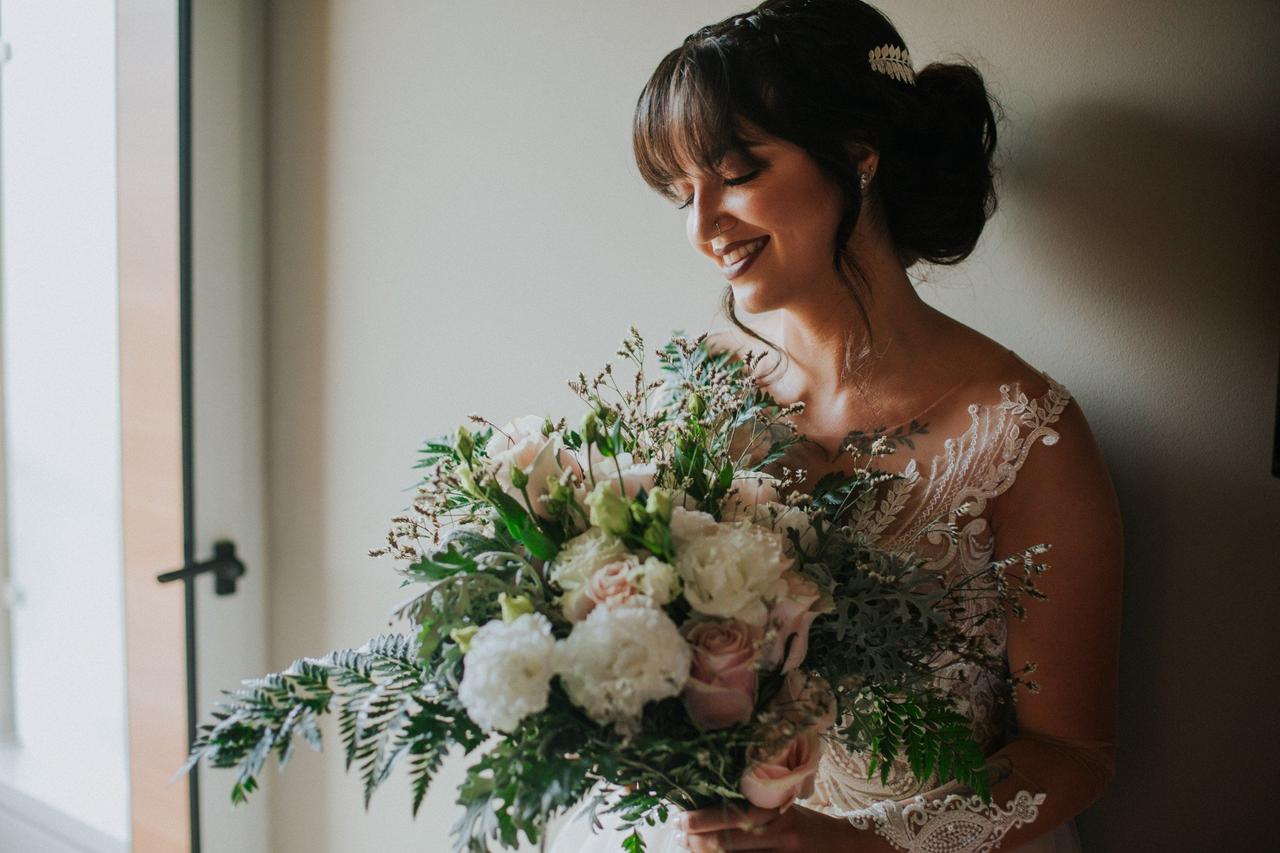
[(756, 297)]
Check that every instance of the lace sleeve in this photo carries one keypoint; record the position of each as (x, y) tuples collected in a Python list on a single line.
[(952, 824)]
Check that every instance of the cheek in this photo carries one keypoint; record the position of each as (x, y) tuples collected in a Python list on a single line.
[(806, 217)]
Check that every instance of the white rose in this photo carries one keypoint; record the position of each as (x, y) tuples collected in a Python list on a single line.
[(521, 444), (507, 671), (731, 569), (618, 659)]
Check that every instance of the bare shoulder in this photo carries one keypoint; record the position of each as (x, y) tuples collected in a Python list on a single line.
[(985, 365)]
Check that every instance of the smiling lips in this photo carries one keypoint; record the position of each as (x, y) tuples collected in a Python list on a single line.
[(733, 263)]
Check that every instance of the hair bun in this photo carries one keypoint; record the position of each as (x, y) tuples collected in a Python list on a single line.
[(940, 179)]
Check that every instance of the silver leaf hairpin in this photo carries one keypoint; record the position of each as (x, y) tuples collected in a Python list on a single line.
[(892, 60)]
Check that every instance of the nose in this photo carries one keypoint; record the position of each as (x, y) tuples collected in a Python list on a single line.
[(707, 220)]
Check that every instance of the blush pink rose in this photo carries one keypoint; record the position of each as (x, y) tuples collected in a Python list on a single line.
[(521, 444), (751, 491), (721, 690), (610, 585), (776, 781), (634, 477), (791, 616)]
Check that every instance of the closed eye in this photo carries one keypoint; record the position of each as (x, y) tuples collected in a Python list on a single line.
[(729, 182)]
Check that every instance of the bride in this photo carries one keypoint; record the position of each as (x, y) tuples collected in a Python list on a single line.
[(815, 167)]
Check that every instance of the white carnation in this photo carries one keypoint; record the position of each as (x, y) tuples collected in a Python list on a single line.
[(507, 671), (688, 524), (731, 569), (617, 659), (656, 580)]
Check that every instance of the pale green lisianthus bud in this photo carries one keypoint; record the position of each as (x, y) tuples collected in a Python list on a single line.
[(514, 606), (609, 512), (462, 636), (657, 537), (466, 444), (519, 477), (557, 491), (659, 504), (697, 405), (468, 481), (590, 427)]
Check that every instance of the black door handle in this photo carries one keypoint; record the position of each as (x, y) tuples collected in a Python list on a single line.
[(225, 565)]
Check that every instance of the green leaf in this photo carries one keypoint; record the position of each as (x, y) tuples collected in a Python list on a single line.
[(633, 843), (522, 526), (442, 564)]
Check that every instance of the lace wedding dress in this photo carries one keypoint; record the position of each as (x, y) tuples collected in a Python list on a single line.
[(949, 455)]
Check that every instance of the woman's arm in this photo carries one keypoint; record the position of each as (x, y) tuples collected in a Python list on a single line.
[(1065, 747)]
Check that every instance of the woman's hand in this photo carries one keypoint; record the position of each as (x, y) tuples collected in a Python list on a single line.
[(752, 828)]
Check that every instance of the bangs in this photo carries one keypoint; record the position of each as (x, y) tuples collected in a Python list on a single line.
[(687, 117)]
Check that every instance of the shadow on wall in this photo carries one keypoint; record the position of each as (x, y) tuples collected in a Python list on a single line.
[(297, 284), (1171, 229)]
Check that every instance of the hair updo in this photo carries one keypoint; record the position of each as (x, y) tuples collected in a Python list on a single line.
[(799, 70)]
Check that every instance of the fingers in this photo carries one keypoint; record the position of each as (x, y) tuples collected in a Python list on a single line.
[(725, 817), (728, 839), (727, 828)]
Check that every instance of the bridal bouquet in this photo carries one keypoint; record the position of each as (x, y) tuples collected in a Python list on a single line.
[(631, 611)]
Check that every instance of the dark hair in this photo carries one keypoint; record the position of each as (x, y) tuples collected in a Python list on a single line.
[(799, 70)]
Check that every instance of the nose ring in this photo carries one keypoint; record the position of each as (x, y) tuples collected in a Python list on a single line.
[(717, 225)]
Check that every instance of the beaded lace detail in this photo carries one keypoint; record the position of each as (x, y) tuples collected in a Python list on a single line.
[(954, 824), (973, 468)]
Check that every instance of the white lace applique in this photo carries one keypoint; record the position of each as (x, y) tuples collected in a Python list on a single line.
[(972, 468), (954, 824), (975, 466)]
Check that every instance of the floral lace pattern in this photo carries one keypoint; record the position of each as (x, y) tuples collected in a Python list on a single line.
[(954, 824), (974, 467)]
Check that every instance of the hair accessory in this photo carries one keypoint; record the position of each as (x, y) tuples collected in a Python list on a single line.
[(892, 60)]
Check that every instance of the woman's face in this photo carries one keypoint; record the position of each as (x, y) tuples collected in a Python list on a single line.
[(781, 215)]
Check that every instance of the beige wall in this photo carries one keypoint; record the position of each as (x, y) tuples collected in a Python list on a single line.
[(455, 224)]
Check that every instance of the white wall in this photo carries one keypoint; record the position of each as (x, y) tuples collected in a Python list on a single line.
[(62, 411), (455, 224)]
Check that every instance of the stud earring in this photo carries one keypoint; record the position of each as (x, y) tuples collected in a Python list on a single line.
[(862, 180)]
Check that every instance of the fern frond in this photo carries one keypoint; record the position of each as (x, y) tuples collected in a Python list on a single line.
[(387, 705)]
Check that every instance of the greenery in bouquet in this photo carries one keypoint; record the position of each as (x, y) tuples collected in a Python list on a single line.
[(639, 611)]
